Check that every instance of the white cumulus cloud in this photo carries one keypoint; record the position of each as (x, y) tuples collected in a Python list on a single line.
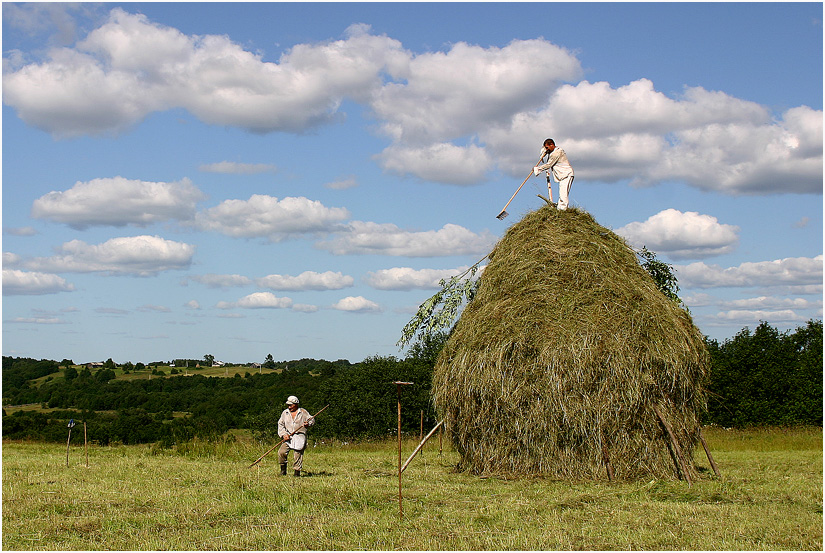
[(308, 280), (137, 255), (37, 320), (258, 300), (442, 162), (708, 139), (22, 283), (681, 235), (782, 156), (441, 96), (130, 67), (213, 280), (268, 217), (357, 304), (388, 239), (11, 259), (770, 302), (406, 278), (791, 271), (119, 202), (741, 317)]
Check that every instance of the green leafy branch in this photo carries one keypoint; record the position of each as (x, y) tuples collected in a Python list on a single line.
[(441, 310), (661, 272)]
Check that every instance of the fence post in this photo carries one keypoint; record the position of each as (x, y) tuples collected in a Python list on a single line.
[(70, 425), (398, 388)]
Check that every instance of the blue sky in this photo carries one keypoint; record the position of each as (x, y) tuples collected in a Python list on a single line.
[(184, 179)]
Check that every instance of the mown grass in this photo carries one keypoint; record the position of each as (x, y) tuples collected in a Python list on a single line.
[(203, 497)]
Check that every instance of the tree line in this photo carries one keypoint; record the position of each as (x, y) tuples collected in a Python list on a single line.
[(766, 377), (760, 377), (174, 409)]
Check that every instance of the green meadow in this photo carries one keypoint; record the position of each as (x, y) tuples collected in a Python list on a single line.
[(203, 496)]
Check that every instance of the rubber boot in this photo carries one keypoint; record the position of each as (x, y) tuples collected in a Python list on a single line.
[(297, 473), (283, 469)]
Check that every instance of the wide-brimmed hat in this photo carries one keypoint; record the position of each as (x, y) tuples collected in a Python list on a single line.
[(292, 400)]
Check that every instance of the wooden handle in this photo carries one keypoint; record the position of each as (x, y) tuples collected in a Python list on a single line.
[(522, 184), (268, 451)]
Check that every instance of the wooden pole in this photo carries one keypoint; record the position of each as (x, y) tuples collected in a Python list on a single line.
[(86, 444), (420, 445), (707, 452), (421, 431), (398, 389), (70, 425), (680, 460), (607, 464), (67, 446), (504, 213)]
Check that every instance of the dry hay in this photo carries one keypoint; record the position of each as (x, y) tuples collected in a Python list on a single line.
[(561, 356)]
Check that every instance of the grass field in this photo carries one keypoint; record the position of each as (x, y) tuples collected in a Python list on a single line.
[(203, 497)]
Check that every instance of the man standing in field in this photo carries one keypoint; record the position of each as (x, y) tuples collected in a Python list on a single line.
[(292, 428), (555, 160)]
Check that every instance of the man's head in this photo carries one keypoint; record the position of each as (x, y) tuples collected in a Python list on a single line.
[(549, 145), (292, 403)]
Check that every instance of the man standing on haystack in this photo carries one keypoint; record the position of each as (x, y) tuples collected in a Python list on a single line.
[(555, 160), (292, 427)]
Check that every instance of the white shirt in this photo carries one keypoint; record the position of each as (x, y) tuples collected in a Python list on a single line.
[(288, 425), (559, 164)]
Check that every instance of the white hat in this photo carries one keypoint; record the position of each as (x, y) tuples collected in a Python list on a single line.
[(291, 400)]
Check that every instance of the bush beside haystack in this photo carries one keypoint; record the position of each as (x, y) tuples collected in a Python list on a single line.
[(557, 363)]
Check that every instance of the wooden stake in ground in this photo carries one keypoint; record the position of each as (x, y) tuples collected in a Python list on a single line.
[(421, 431), (707, 452), (607, 464), (677, 451), (70, 425), (86, 444), (420, 445), (398, 388)]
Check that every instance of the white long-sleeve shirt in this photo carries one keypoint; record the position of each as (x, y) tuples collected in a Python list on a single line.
[(558, 163), (288, 425)]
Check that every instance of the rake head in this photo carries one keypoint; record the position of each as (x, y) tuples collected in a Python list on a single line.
[(502, 215)]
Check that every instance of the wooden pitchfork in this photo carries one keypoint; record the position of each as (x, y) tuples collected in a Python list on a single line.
[(268, 451), (504, 213)]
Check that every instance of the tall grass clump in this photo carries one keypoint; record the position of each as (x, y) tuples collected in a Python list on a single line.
[(555, 366)]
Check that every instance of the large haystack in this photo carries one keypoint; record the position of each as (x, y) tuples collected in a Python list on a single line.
[(557, 363)]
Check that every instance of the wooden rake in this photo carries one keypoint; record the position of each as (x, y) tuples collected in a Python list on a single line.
[(504, 213)]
